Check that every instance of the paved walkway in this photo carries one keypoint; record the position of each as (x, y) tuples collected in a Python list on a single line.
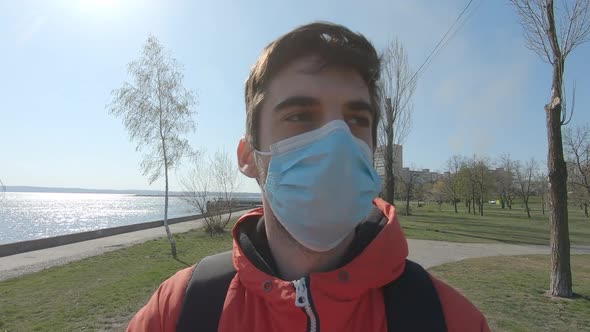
[(34, 261), (433, 253), (427, 253)]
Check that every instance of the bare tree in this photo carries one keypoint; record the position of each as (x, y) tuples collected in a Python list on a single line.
[(542, 189), (421, 192), (483, 180), (479, 181), (156, 110), (408, 186), (505, 181), (398, 88), (450, 182), (553, 39), (525, 175), (577, 146), (467, 187), (211, 189), (439, 194), (580, 197)]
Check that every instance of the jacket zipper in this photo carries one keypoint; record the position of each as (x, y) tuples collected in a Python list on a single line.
[(303, 300)]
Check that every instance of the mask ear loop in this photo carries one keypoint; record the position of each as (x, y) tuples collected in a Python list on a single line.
[(260, 153)]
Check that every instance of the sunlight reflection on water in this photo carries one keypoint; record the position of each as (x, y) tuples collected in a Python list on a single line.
[(27, 216)]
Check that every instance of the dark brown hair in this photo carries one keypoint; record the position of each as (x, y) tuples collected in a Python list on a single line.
[(335, 45)]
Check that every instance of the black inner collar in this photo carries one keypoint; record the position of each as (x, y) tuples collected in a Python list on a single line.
[(254, 243)]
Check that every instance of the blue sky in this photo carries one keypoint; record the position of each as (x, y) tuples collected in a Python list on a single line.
[(59, 61)]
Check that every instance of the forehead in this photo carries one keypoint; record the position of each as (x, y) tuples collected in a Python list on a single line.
[(307, 76)]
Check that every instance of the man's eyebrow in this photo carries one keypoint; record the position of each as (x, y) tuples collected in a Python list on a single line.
[(360, 105), (296, 101)]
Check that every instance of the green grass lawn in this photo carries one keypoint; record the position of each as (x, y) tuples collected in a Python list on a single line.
[(102, 292), (496, 226), (511, 292)]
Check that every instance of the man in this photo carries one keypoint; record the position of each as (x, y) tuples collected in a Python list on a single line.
[(315, 257)]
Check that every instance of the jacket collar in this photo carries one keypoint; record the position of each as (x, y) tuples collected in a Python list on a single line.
[(375, 258)]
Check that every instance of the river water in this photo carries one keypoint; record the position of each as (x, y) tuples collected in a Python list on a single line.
[(28, 216)]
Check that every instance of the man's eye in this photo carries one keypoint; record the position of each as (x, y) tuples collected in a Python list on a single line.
[(298, 117), (360, 121)]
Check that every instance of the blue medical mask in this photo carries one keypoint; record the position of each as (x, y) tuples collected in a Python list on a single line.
[(321, 184)]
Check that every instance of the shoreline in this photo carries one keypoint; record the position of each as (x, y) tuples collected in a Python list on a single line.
[(20, 247), (21, 264)]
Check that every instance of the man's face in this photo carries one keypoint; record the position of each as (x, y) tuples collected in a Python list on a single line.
[(301, 98)]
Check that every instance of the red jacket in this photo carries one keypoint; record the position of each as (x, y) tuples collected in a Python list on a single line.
[(354, 303)]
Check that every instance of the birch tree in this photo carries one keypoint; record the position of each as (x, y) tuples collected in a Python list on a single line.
[(157, 112)]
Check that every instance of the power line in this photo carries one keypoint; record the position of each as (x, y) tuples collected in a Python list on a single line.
[(450, 38), (438, 48)]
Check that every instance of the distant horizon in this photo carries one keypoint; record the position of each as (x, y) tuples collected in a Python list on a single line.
[(72, 190)]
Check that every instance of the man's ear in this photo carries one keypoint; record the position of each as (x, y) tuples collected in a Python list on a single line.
[(246, 160)]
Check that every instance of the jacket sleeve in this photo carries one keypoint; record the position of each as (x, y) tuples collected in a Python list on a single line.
[(163, 309), (460, 313)]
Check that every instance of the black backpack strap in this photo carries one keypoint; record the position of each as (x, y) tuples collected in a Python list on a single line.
[(205, 294), (412, 302)]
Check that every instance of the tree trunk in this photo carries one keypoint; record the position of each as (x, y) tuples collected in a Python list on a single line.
[(468, 202), (503, 203), (474, 201), (586, 209), (388, 157), (481, 203), (481, 197), (455, 204), (168, 233), (509, 203), (389, 179), (543, 205), (528, 211), (408, 205), (561, 275)]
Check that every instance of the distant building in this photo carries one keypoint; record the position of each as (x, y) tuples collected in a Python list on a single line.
[(398, 160), (421, 176)]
